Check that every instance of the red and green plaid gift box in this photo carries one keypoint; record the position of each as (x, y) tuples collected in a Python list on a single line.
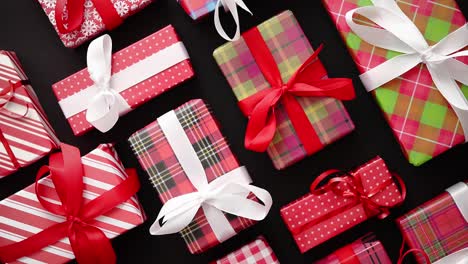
[(366, 250), (167, 176), (290, 49), (421, 119), (437, 227), (256, 252), (198, 8)]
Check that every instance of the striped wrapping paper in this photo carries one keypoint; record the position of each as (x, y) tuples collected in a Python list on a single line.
[(22, 215), (167, 176), (24, 128), (437, 227), (290, 49), (197, 9), (421, 119), (256, 252), (366, 250)]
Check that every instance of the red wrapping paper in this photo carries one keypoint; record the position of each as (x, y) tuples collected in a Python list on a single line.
[(22, 215), (317, 217), (139, 93)]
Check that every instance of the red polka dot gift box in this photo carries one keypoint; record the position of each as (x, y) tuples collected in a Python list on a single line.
[(344, 201), (113, 85)]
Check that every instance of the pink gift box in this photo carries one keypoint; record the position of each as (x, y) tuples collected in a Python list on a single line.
[(136, 95)]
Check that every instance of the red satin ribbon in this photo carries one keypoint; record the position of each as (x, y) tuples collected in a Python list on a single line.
[(346, 255), (354, 191), (406, 253), (75, 14), (89, 243), (306, 82)]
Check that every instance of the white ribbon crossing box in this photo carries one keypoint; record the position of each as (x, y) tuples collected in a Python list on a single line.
[(25, 134), (207, 195), (113, 85)]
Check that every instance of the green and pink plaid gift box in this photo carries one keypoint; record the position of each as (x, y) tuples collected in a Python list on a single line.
[(421, 119), (290, 49), (166, 174)]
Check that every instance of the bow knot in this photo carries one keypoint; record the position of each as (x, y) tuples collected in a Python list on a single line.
[(429, 56)]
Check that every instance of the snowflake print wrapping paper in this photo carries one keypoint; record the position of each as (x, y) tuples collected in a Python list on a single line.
[(92, 25)]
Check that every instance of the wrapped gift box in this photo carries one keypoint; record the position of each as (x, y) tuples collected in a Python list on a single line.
[(438, 227), (256, 252), (324, 213), (23, 215), (290, 49), (421, 119), (166, 174), (162, 43), (198, 8), (92, 24), (25, 133), (365, 250)]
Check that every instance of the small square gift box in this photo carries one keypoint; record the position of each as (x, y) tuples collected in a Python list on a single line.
[(72, 212), (409, 54), (366, 250), (207, 195), (437, 231), (200, 8), (77, 21), (256, 252), (113, 85), (294, 109), (25, 133), (345, 201)]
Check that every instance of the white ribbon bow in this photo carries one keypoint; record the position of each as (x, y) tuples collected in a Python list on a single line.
[(231, 6), (105, 107), (400, 34), (227, 193)]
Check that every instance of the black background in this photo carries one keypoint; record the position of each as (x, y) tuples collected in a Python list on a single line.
[(25, 29)]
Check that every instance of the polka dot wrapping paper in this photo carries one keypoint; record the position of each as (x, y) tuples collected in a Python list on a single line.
[(121, 60), (319, 216), (92, 25)]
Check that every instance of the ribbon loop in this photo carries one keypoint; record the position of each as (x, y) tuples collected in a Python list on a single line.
[(230, 6)]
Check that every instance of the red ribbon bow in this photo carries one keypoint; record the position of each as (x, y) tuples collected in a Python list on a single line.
[(307, 81), (89, 243), (71, 14)]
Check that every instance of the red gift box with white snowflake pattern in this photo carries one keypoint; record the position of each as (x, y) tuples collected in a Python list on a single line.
[(319, 216), (136, 95), (92, 24)]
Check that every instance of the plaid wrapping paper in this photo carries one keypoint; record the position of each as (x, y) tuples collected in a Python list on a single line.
[(23, 123), (421, 119), (167, 176), (256, 252), (23, 215), (197, 9), (366, 250), (437, 227), (290, 49)]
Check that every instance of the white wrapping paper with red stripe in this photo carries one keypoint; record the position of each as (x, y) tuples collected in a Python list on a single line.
[(25, 132), (22, 215)]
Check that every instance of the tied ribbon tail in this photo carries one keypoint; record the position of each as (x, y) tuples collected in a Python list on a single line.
[(69, 14), (89, 243), (231, 7), (307, 81), (404, 253)]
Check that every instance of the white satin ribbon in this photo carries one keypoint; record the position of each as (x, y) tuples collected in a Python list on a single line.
[(459, 193), (230, 6), (459, 257), (106, 104), (227, 193), (398, 33)]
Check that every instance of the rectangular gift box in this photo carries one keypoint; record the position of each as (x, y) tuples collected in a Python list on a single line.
[(23, 215), (290, 49), (420, 117), (438, 227), (25, 133), (256, 252), (319, 216), (365, 250), (198, 8), (166, 174), (165, 41), (92, 25)]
